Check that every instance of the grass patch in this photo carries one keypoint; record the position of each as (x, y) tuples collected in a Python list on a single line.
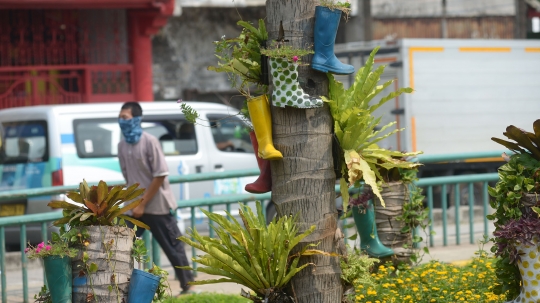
[(209, 298)]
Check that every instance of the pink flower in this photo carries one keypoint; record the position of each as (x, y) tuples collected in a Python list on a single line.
[(41, 245), (38, 249), (48, 247), (26, 249), (179, 101), (295, 58)]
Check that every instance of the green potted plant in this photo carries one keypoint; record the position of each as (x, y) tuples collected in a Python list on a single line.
[(56, 257), (516, 201), (254, 254), (96, 221), (354, 128), (146, 286)]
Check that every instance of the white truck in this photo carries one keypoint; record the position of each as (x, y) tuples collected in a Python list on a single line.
[(465, 92)]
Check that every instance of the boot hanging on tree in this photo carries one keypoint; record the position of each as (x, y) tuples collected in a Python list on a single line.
[(263, 184), (287, 90), (259, 112), (326, 26), (367, 230)]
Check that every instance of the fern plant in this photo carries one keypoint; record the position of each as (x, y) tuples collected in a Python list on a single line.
[(253, 254), (354, 127), (240, 57)]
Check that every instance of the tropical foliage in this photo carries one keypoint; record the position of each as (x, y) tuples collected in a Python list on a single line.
[(354, 126), (253, 254), (99, 205), (525, 142), (516, 220), (240, 57)]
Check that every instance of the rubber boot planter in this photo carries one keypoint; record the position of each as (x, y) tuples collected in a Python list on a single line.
[(259, 111), (142, 286), (325, 31), (263, 184), (58, 273), (287, 90), (367, 230)]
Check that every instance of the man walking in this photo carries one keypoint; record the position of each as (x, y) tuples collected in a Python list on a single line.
[(142, 161)]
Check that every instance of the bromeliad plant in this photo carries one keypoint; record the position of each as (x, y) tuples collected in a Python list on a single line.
[(516, 198), (99, 205), (354, 127), (253, 254)]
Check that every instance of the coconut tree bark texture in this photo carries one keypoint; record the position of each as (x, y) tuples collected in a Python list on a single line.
[(303, 181)]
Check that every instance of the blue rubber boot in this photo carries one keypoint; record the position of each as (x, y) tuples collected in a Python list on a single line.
[(326, 26)]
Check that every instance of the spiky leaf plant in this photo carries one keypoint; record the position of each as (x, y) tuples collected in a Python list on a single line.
[(99, 205), (253, 254), (354, 126)]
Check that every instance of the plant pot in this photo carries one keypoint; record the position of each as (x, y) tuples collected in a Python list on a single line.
[(58, 274), (529, 267), (110, 249), (395, 195), (142, 287)]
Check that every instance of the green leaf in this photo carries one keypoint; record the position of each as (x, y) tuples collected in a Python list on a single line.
[(93, 268)]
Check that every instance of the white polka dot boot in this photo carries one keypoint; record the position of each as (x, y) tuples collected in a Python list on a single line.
[(529, 267), (287, 90)]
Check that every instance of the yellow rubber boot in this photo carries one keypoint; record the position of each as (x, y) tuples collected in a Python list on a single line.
[(259, 111)]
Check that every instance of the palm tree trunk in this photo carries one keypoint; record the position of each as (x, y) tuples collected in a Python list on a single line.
[(303, 181)]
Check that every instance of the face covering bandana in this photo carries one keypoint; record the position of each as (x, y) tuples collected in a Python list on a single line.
[(131, 129)]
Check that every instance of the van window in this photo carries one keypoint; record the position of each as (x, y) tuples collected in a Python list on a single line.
[(230, 133), (95, 138), (23, 142)]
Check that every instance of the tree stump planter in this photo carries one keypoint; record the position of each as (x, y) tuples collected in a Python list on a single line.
[(395, 195), (110, 249)]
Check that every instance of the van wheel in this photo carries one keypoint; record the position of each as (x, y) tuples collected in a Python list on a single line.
[(271, 212)]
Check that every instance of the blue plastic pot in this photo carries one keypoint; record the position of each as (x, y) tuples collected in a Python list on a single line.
[(58, 273), (142, 286)]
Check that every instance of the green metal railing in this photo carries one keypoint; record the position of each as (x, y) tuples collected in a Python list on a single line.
[(428, 183)]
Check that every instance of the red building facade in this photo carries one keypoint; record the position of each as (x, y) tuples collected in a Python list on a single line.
[(77, 51)]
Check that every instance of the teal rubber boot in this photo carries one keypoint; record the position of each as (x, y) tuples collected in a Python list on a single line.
[(325, 31), (58, 274), (367, 230)]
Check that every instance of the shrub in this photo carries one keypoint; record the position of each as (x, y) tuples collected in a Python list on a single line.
[(209, 298), (433, 282)]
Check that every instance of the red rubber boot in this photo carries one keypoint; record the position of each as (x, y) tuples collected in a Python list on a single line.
[(263, 184)]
